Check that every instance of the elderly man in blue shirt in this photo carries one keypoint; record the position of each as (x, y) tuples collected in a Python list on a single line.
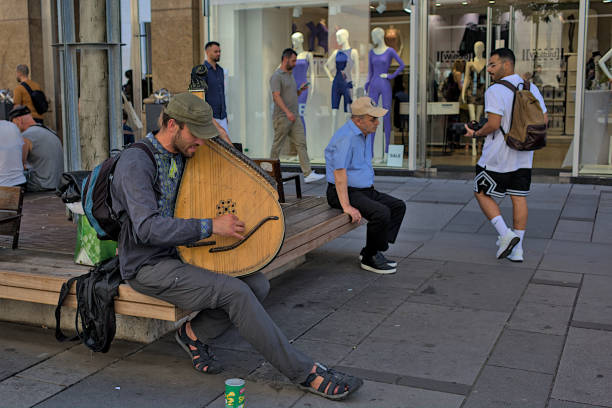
[(350, 178)]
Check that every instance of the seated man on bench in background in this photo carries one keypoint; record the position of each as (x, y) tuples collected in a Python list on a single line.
[(350, 175)]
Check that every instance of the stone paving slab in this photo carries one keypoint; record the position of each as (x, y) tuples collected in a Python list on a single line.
[(557, 278), (595, 302), (477, 248), (380, 300), (82, 361), (541, 223), (585, 371), (602, 231), (578, 257), (549, 295), (572, 230), (24, 346), (541, 318), (158, 376), (449, 193), (375, 395), (411, 273), (458, 284), (509, 388), (265, 395), (466, 221), (553, 403), (18, 392), (453, 349), (339, 327), (580, 206), (527, 351), (427, 216)]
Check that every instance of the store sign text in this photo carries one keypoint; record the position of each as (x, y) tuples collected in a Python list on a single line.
[(448, 56), (542, 54)]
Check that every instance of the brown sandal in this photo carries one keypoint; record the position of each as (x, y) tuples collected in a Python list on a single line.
[(202, 357)]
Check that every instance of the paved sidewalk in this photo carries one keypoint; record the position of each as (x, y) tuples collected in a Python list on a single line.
[(455, 327)]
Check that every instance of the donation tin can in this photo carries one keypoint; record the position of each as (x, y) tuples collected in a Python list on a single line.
[(234, 393)]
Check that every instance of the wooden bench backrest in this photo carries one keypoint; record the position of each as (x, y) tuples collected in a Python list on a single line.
[(11, 201)]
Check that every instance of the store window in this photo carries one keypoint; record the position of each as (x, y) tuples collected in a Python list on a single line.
[(596, 133), (346, 49), (462, 35)]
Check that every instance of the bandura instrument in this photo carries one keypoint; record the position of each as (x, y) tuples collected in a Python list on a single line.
[(219, 180)]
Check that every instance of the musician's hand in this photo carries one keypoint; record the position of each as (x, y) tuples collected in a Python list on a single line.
[(228, 225), (353, 213)]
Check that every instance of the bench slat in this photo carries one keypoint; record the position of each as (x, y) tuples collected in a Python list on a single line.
[(167, 312)]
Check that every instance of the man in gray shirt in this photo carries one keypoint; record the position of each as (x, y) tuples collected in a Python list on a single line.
[(144, 196), (285, 96), (45, 162)]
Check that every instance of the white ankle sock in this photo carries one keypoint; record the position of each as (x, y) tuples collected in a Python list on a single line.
[(521, 234), (500, 225)]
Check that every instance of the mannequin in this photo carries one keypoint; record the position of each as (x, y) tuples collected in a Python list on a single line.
[(345, 61), (602, 64), (303, 67), (474, 86), (378, 83)]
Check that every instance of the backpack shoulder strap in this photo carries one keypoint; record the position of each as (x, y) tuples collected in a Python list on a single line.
[(146, 146), (27, 87), (507, 84), (527, 86), (59, 335)]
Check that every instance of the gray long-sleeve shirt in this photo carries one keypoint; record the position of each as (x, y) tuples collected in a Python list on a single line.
[(150, 233)]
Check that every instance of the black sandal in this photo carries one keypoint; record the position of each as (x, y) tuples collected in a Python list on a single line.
[(344, 383), (202, 357)]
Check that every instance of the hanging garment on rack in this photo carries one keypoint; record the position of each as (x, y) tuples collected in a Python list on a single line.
[(471, 36)]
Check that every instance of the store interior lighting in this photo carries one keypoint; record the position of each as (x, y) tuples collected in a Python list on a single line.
[(406, 5), (382, 6)]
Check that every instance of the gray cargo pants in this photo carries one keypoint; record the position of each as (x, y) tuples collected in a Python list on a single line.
[(223, 300)]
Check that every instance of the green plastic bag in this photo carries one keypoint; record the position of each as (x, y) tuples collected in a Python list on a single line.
[(89, 249)]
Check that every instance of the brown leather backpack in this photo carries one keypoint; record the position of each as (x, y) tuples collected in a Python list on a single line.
[(527, 124)]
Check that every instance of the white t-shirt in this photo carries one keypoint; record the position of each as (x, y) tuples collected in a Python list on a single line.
[(496, 155), (11, 150)]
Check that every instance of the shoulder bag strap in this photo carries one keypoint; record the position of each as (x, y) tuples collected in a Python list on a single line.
[(513, 88), (27, 88), (59, 335)]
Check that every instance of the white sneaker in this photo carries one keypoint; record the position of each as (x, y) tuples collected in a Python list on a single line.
[(313, 176), (516, 255), (507, 243)]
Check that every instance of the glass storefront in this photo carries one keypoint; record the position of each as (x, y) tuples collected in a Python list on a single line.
[(454, 41), (595, 143)]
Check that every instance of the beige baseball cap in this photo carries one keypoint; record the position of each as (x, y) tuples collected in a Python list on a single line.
[(366, 106), (195, 112)]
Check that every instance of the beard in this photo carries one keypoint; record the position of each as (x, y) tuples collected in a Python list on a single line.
[(182, 146)]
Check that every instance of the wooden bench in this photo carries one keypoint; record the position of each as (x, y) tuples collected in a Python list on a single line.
[(11, 202), (37, 276)]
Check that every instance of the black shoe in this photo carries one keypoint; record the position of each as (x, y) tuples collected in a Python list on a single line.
[(376, 264), (389, 262)]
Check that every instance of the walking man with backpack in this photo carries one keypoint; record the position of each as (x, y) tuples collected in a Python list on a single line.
[(503, 169), (143, 190), (30, 94)]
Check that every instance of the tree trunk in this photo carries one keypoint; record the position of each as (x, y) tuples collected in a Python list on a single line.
[(93, 100)]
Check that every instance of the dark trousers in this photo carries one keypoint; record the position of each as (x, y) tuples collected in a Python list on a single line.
[(222, 301), (383, 212)]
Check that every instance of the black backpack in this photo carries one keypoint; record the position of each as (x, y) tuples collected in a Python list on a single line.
[(95, 293), (39, 100), (96, 194)]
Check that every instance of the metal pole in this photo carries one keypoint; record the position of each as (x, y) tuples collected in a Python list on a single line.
[(136, 61), (489, 39), (70, 116), (581, 63), (511, 22), (113, 35), (423, 69), (413, 85)]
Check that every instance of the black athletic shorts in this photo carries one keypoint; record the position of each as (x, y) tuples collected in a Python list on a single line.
[(497, 185)]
